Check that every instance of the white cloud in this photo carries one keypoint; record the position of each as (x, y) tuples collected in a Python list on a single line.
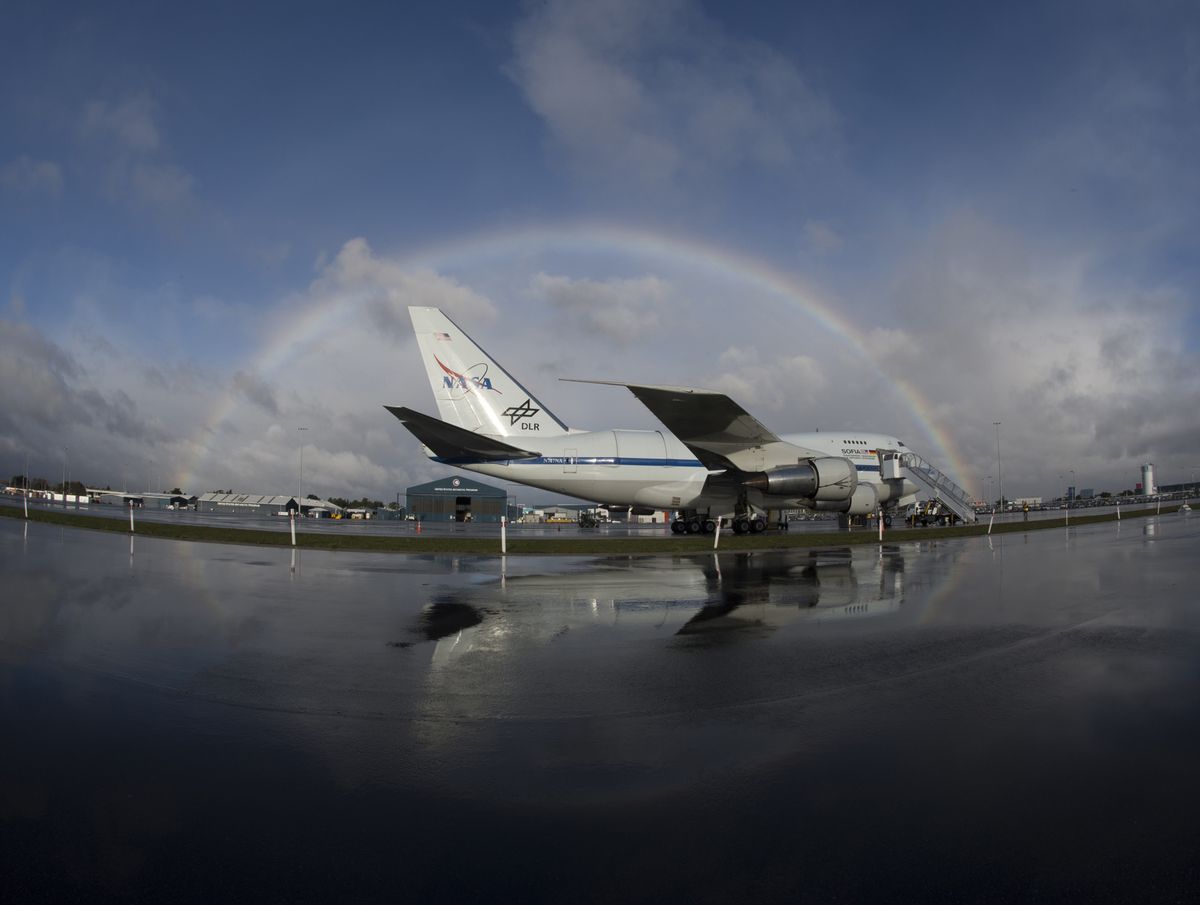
[(1082, 373), (161, 185), (129, 122), (821, 237), (133, 155), (652, 93), (770, 381), (334, 380), (622, 310), (29, 176), (391, 287)]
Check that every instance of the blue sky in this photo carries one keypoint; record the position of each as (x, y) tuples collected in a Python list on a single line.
[(1001, 202)]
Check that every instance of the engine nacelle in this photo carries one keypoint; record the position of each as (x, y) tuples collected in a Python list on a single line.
[(829, 479), (863, 501)]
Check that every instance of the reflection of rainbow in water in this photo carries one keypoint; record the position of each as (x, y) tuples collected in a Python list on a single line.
[(933, 584), (527, 246)]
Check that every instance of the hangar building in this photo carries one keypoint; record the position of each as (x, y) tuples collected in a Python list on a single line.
[(456, 499)]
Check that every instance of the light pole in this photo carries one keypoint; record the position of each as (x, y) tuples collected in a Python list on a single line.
[(999, 478), (64, 479), (300, 486)]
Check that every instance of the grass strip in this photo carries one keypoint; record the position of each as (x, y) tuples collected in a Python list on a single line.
[(543, 546)]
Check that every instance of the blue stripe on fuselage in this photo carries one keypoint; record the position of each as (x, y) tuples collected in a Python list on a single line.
[(597, 460), (574, 460)]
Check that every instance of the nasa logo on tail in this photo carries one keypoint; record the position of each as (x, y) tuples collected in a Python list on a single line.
[(474, 378)]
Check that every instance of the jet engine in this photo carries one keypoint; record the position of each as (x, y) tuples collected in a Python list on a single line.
[(828, 479), (863, 501)]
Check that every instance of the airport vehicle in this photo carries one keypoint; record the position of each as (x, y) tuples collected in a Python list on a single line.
[(713, 460), (930, 512)]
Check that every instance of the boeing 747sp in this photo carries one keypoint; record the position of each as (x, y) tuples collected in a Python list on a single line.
[(712, 459)]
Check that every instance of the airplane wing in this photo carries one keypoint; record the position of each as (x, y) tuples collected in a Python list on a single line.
[(451, 442), (714, 427)]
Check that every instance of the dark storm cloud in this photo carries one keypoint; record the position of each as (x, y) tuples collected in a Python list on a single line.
[(256, 390), (45, 391)]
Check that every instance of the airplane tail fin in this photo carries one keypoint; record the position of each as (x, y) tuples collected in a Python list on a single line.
[(472, 391)]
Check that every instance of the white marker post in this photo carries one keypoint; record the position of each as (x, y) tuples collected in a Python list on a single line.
[(503, 536), (131, 517), (27, 497), (990, 521), (292, 520), (717, 533), (1118, 512), (881, 526)]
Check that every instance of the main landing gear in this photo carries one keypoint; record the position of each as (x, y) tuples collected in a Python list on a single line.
[(702, 524), (753, 525), (694, 524)]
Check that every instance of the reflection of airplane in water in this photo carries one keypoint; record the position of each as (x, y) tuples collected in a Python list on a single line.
[(771, 590), (687, 596)]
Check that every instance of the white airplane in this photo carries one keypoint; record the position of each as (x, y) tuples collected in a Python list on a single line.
[(713, 460)]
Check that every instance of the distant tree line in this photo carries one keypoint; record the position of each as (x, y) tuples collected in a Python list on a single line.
[(363, 503)]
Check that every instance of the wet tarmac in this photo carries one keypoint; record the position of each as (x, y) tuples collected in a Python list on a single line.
[(394, 527), (967, 720)]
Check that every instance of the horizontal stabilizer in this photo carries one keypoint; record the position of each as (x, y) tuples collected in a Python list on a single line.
[(452, 442)]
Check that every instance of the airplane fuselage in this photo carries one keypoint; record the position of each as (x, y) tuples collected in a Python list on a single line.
[(654, 469)]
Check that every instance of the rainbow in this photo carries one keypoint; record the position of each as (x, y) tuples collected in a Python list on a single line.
[(446, 257)]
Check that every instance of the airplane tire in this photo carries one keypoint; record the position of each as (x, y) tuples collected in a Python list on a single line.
[(887, 521), (677, 527), (693, 527), (740, 526), (758, 526), (709, 526)]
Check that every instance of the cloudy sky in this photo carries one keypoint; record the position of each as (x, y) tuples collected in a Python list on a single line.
[(918, 218)]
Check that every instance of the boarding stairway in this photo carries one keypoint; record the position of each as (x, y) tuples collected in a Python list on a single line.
[(940, 485)]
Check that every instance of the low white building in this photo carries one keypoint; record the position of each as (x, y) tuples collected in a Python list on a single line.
[(265, 504)]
